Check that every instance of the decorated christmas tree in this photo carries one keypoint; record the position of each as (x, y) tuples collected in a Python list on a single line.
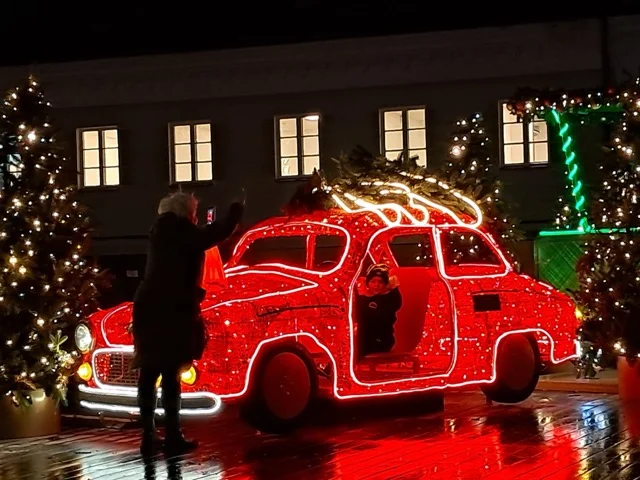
[(609, 270), (471, 171), (370, 178), (46, 286), (360, 173)]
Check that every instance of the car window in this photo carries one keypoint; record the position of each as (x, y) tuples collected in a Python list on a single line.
[(328, 252), (287, 250), (412, 250), (465, 247)]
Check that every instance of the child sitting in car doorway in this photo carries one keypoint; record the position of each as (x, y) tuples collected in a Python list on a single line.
[(377, 302)]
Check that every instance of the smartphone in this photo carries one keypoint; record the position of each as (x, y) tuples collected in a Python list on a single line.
[(211, 215)]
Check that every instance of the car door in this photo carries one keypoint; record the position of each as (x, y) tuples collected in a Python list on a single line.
[(425, 324), (476, 272)]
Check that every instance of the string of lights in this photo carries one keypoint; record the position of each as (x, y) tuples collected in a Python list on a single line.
[(46, 285), (608, 271), (616, 106)]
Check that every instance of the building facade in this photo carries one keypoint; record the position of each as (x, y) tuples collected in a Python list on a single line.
[(263, 118)]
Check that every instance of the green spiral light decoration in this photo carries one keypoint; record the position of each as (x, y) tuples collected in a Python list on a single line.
[(573, 169)]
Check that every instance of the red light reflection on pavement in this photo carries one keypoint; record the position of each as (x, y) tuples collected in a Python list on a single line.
[(558, 436)]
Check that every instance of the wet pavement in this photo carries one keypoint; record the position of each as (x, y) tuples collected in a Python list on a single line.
[(551, 436)]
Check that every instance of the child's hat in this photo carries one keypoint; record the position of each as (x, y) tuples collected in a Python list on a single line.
[(379, 270)]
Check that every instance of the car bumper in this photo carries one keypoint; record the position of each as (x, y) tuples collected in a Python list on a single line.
[(124, 400)]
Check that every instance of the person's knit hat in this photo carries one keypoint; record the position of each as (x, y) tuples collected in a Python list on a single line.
[(380, 270)]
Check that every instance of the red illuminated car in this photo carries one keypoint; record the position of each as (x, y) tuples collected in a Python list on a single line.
[(282, 330)]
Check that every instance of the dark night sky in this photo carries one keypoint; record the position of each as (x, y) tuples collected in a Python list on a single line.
[(39, 31)]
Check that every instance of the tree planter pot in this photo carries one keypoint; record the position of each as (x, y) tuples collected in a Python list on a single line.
[(40, 418), (628, 379)]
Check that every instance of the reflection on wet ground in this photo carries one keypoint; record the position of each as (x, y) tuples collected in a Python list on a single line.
[(557, 436)]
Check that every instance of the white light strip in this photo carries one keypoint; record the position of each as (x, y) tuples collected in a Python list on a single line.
[(133, 393), (108, 407)]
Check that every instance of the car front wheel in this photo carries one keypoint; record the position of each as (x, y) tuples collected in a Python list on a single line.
[(282, 390), (517, 370)]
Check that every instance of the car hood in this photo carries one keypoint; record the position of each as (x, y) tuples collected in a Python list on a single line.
[(243, 286)]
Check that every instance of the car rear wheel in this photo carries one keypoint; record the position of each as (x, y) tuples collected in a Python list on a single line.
[(282, 391), (517, 370)]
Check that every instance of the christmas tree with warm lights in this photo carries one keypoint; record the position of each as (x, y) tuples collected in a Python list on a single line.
[(360, 173), (471, 171), (46, 286), (370, 178), (609, 270)]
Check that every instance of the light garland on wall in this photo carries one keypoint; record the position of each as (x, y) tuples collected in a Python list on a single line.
[(616, 106)]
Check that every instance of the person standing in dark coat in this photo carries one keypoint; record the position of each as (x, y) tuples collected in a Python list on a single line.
[(167, 327)]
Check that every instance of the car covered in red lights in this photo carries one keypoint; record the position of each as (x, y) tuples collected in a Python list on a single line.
[(281, 327)]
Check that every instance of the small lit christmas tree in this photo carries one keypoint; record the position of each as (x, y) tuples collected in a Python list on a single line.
[(567, 217), (360, 172), (369, 177), (471, 171), (609, 271), (46, 287)]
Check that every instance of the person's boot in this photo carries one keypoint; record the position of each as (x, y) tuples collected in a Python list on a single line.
[(175, 443), (150, 443)]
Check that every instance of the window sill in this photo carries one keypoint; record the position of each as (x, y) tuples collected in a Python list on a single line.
[(195, 183), (297, 178), (521, 166), (100, 188)]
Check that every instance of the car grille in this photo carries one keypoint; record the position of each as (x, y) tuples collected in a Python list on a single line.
[(114, 368)]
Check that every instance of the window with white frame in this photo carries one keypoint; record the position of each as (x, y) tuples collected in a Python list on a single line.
[(523, 142), (297, 145), (404, 131), (99, 157), (11, 171), (15, 164), (191, 152)]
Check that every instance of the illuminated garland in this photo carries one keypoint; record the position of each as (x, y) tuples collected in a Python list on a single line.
[(376, 180), (616, 106), (608, 270)]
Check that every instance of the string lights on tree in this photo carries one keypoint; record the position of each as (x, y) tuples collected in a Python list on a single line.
[(46, 286), (471, 171), (368, 177), (609, 270), (565, 109)]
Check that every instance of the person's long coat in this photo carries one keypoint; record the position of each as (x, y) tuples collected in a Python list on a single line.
[(166, 307)]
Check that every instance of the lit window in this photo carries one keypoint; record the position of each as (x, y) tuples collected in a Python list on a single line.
[(404, 131), (297, 146), (524, 142), (15, 164), (191, 152), (12, 170), (99, 157)]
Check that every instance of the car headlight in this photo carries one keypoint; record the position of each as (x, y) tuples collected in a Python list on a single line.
[(83, 337)]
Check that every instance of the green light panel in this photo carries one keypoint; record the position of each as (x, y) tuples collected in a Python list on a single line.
[(573, 170)]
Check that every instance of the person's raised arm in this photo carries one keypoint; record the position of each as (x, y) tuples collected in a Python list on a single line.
[(203, 238)]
